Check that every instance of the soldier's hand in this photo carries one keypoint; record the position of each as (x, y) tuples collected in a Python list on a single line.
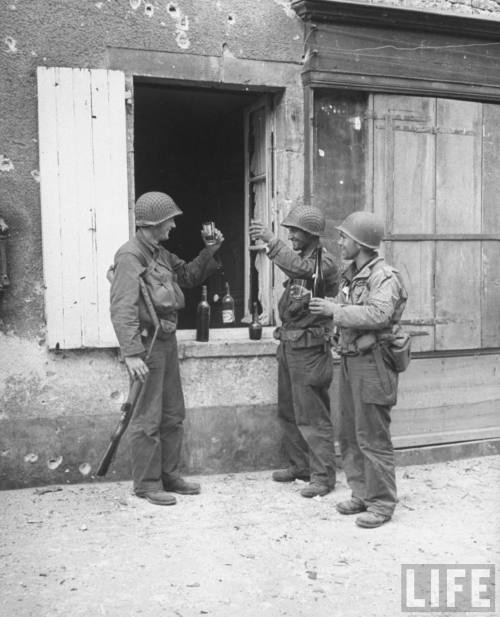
[(137, 367), (321, 306), (258, 231), (213, 247)]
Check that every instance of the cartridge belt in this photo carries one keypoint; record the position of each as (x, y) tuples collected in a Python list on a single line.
[(303, 337)]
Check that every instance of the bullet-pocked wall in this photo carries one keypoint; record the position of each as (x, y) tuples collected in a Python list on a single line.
[(58, 408)]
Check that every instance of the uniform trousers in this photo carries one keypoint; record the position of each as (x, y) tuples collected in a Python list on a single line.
[(365, 399), (156, 430), (304, 376)]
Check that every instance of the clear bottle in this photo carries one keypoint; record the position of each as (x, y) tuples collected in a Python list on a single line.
[(203, 317), (255, 328), (318, 288), (227, 307)]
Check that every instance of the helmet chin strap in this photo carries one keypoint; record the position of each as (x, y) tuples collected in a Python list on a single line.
[(364, 256)]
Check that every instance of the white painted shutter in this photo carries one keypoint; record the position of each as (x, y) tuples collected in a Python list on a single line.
[(83, 182), (259, 199)]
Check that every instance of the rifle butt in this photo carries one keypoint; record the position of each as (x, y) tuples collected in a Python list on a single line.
[(108, 457), (127, 411)]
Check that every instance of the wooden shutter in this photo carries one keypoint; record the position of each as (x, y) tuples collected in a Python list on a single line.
[(435, 185), (83, 174), (259, 204), (458, 211), (490, 189), (404, 196)]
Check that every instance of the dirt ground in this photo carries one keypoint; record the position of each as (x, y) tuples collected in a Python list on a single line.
[(245, 547)]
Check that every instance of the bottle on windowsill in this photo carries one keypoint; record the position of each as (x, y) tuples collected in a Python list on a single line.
[(227, 308), (318, 289), (255, 328), (203, 317)]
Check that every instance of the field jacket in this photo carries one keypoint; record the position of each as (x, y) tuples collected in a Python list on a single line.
[(294, 313), (128, 312), (371, 300)]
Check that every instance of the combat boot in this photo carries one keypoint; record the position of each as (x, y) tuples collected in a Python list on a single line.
[(180, 486), (351, 506), (370, 520), (158, 498), (289, 475), (315, 489)]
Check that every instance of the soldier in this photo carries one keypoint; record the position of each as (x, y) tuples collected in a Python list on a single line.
[(305, 366), (156, 430), (371, 301)]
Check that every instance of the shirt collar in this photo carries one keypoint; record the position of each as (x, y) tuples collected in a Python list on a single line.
[(150, 244), (310, 250), (351, 273)]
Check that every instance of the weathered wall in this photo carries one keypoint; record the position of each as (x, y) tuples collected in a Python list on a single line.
[(65, 404), (77, 34), (60, 409), (486, 9)]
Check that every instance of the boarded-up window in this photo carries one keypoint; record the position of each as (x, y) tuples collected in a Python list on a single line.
[(83, 172), (429, 167)]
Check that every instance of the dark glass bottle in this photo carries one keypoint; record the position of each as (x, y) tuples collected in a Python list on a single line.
[(203, 317), (318, 289), (227, 307), (255, 328)]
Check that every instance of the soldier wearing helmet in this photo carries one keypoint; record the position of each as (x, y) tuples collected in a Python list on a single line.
[(369, 307), (156, 430), (305, 366)]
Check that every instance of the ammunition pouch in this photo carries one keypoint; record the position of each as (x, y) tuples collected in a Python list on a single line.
[(395, 347), (310, 337), (166, 294)]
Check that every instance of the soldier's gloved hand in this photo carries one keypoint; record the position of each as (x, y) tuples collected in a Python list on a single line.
[(258, 231), (212, 246), (321, 306), (137, 367)]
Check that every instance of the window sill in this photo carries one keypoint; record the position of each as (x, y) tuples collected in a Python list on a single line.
[(231, 342)]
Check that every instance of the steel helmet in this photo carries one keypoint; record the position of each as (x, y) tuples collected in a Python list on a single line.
[(154, 208), (363, 227), (307, 218)]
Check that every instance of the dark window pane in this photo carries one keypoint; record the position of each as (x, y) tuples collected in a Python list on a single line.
[(339, 155)]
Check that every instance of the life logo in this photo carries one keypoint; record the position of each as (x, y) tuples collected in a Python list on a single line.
[(437, 588)]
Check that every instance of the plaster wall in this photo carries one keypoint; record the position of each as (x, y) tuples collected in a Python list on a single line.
[(486, 9), (58, 409)]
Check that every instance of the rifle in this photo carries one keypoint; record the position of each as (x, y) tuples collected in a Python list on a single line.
[(128, 408)]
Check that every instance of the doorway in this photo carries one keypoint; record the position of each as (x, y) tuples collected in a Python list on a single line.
[(190, 143)]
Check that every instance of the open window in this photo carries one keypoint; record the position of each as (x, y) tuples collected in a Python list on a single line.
[(211, 150)]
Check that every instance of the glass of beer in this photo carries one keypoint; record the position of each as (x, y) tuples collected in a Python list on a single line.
[(208, 230)]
